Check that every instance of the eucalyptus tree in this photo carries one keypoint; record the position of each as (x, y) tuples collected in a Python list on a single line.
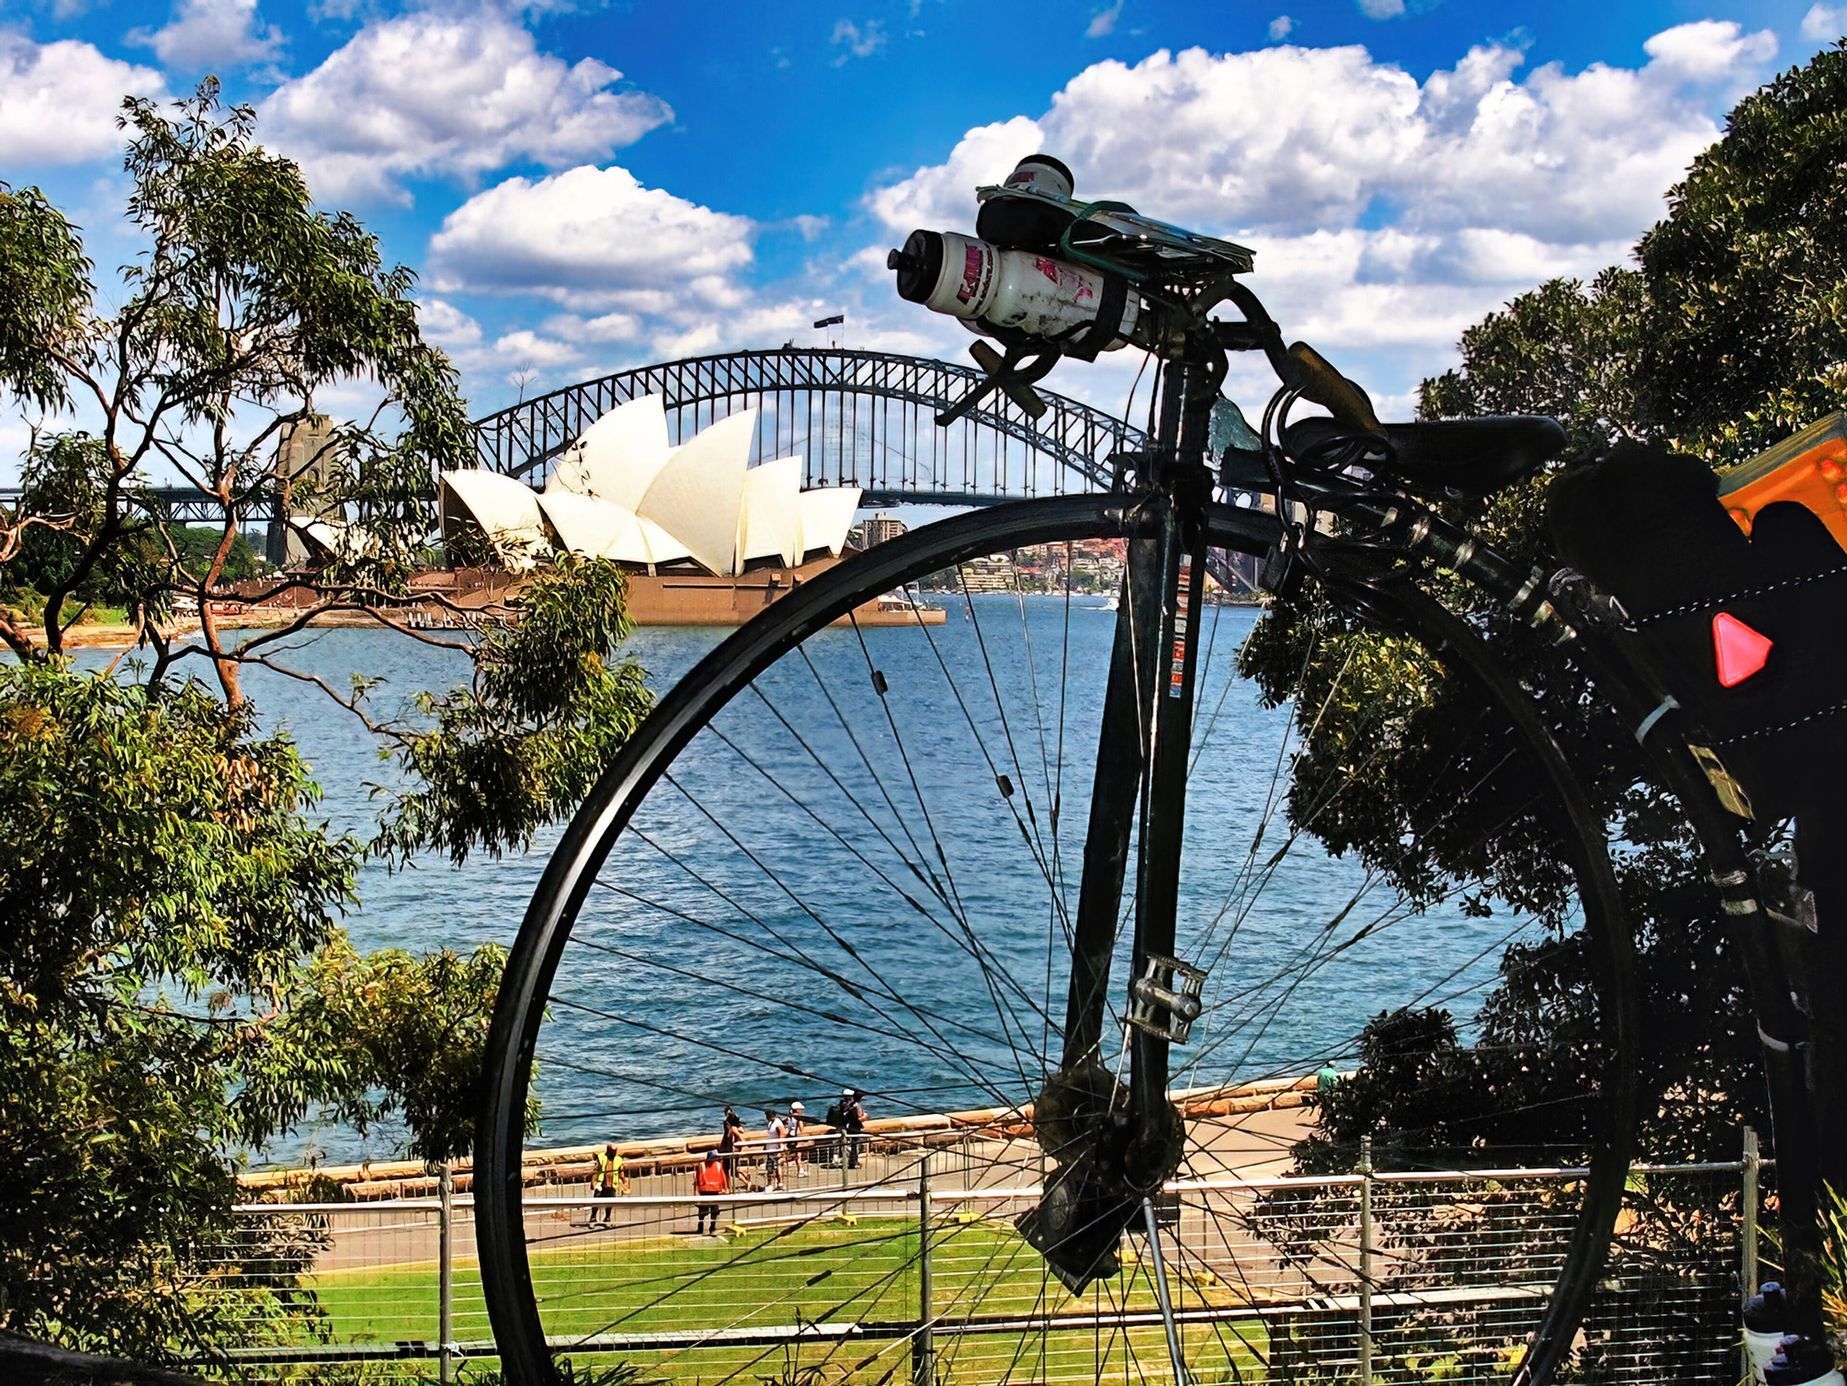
[(175, 987), (1727, 334)]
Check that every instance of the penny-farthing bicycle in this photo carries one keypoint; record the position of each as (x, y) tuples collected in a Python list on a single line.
[(1083, 872)]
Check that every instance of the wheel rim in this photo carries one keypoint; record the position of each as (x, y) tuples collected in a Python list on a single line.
[(983, 1054)]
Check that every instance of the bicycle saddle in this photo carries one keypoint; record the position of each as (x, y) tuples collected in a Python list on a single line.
[(1470, 457)]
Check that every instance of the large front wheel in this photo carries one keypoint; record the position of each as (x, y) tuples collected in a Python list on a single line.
[(843, 855)]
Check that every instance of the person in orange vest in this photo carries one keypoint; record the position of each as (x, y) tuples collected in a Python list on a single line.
[(709, 1180)]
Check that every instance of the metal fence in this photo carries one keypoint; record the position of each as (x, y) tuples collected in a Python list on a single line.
[(921, 1277)]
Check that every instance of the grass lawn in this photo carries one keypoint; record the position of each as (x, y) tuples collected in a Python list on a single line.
[(827, 1272)]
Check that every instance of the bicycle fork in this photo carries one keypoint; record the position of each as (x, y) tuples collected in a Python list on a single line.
[(1115, 1142)]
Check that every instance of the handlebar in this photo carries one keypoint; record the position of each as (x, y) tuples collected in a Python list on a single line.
[(1300, 366), (1309, 371)]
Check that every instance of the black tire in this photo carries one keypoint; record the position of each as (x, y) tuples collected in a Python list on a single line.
[(710, 687)]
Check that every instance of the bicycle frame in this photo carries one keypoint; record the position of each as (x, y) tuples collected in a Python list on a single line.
[(1142, 728), (1592, 627)]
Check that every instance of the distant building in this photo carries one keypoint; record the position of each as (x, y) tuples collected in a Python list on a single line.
[(987, 573), (307, 455), (868, 533)]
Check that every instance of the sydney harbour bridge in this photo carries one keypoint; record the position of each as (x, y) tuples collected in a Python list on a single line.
[(857, 418)]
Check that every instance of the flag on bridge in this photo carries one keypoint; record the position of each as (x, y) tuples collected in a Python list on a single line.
[(829, 322)]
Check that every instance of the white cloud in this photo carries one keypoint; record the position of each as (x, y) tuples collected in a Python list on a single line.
[(1824, 23), (944, 195), (591, 238), (1709, 49), (440, 95), (605, 327), (528, 348), (1103, 22), (1381, 9), (208, 33), (518, 356), (1219, 141), (58, 101), (1280, 28), (447, 326), (856, 41), (1389, 213)]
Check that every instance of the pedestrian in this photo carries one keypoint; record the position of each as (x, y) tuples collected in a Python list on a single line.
[(835, 1119), (611, 1182), (730, 1139), (775, 1133), (796, 1121), (853, 1125), (1325, 1082), (709, 1181)]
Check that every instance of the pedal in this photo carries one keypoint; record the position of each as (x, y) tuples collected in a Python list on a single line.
[(1164, 1000)]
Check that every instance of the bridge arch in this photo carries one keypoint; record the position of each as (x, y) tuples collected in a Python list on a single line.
[(856, 417)]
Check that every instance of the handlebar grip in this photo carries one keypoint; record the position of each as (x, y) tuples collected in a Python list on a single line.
[(1310, 373)]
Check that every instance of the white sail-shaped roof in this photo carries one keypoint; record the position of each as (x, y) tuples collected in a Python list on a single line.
[(506, 510), (827, 515), (771, 524), (618, 457), (330, 537), (622, 492), (698, 495), (602, 529)]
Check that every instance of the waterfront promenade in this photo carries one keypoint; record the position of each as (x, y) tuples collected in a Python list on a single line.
[(1239, 1132)]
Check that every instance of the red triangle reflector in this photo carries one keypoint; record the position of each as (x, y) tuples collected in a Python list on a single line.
[(1739, 650)]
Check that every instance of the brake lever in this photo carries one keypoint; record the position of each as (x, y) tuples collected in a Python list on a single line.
[(1013, 375)]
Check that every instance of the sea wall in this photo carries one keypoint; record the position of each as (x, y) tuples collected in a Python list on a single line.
[(574, 1164)]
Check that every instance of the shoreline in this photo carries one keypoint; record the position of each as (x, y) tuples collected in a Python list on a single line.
[(574, 1164), (120, 636)]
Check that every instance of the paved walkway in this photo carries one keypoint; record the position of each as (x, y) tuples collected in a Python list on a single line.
[(1245, 1145)]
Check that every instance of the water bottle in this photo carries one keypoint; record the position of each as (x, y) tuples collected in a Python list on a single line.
[(1016, 290), (1766, 1315), (1801, 1362)]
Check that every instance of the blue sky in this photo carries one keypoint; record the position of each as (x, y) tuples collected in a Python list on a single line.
[(587, 186)]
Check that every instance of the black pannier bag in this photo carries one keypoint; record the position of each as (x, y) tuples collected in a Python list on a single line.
[(1747, 633)]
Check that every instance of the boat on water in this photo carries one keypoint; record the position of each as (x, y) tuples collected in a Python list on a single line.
[(896, 608)]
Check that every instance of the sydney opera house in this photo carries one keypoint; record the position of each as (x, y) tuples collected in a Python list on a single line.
[(707, 538)]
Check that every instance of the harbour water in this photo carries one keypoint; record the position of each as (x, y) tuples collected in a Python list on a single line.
[(651, 1082)]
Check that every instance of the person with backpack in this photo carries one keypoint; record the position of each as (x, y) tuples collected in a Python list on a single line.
[(709, 1181), (853, 1126), (834, 1118)]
